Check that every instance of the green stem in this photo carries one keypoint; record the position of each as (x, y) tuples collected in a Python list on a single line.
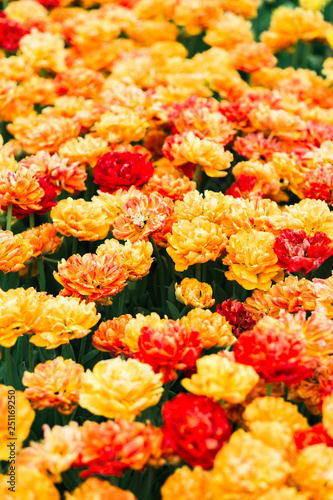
[(28, 278), (9, 375), (204, 273), (305, 52), (294, 57), (121, 302), (148, 482), (31, 357), (5, 283), (32, 220), (74, 246), (171, 268), (160, 269), (198, 272), (269, 389), (54, 261), (65, 351), (41, 275), (82, 349), (9, 217), (234, 288), (197, 174), (19, 350), (286, 391), (70, 485), (302, 408), (165, 394), (72, 415), (300, 275)]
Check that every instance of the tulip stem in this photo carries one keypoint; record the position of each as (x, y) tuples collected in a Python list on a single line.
[(160, 269), (269, 389), (32, 220), (65, 351), (197, 174), (19, 350), (165, 394), (286, 392), (9, 375), (121, 302), (82, 349), (41, 275), (31, 357), (148, 483), (9, 217), (28, 278), (198, 272), (74, 245), (54, 261)]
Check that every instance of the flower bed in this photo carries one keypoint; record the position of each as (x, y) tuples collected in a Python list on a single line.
[(166, 184)]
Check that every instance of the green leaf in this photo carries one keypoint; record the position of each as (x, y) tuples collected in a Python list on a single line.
[(67, 352), (171, 292), (220, 294), (90, 355), (17, 382), (21, 369), (41, 355), (173, 310)]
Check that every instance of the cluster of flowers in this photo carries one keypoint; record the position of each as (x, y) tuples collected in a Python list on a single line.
[(234, 400)]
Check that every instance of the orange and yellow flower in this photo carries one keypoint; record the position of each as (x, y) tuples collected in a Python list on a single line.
[(84, 150), (69, 177), (110, 336), (289, 25), (129, 444), (195, 242), (62, 319), (37, 132), (15, 251), (136, 257), (91, 277), (20, 188), (252, 260), (311, 216), (33, 485), (213, 328), (19, 310), (313, 470), (228, 30), (193, 293), (134, 326), (246, 467), (185, 480), (43, 239), (170, 186), (290, 294), (81, 219), (211, 206), (141, 216), (54, 384), (55, 453), (122, 124), (205, 152), (96, 489), (118, 388), (266, 410), (219, 378), (44, 50)]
